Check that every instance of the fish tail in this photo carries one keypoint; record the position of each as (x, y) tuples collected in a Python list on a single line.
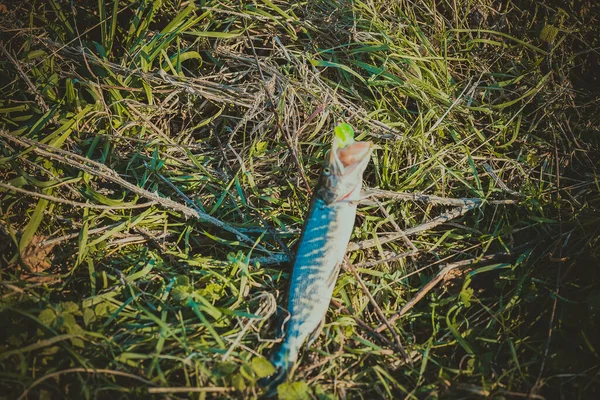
[(283, 360)]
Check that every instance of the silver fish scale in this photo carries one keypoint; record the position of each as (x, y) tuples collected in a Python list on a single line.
[(320, 254)]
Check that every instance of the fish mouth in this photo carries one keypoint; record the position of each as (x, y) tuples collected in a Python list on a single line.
[(352, 157)]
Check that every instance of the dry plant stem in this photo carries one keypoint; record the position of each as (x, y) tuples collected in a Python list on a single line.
[(73, 235), (430, 199), (499, 182), (188, 389), (73, 203), (283, 132), (367, 264), (349, 267), (366, 244), (431, 284), (455, 213), (103, 171), (39, 98), (398, 229), (40, 344)]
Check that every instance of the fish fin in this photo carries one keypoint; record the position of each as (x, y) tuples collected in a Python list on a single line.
[(271, 382), (283, 365), (315, 334), (334, 274)]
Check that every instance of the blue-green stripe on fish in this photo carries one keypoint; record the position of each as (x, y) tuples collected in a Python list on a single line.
[(320, 253)]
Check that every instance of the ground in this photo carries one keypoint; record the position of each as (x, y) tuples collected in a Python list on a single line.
[(156, 165)]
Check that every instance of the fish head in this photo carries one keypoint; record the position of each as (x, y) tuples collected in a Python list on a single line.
[(342, 174)]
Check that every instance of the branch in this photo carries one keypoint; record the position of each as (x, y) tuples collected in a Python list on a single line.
[(101, 170), (432, 283), (390, 237), (430, 199), (73, 203)]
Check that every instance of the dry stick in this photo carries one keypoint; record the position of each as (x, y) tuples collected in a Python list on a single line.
[(455, 213), (276, 115), (366, 244), (398, 229), (73, 203), (73, 235), (316, 112), (38, 96), (103, 171), (349, 267), (189, 389), (432, 283), (499, 182), (430, 199), (395, 257)]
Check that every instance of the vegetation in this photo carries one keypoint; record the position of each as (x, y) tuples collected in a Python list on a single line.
[(156, 161)]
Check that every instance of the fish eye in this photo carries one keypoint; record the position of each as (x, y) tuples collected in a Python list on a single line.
[(327, 171)]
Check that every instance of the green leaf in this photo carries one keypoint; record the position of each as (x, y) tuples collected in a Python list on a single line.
[(102, 309), (344, 134), (181, 293), (238, 382), (47, 316), (88, 316), (293, 391), (262, 367), (321, 63), (465, 296), (68, 321), (34, 222), (70, 306)]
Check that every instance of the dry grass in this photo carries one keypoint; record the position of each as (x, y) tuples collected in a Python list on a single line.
[(156, 164)]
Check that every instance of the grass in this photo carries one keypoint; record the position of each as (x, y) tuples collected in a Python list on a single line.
[(108, 109)]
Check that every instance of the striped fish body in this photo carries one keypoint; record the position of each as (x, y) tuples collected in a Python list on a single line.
[(320, 253), (319, 258)]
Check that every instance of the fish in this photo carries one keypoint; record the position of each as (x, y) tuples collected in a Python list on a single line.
[(320, 253)]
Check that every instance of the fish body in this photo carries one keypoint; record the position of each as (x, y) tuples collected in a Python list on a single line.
[(320, 253)]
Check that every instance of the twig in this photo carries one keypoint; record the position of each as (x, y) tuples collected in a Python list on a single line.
[(430, 199), (432, 283), (349, 267), (105, 172), (73, 203), (189, 389), (273, 259), (39, 98), (73, 235), (455, 213), (395, 225), (454, 103), (499, 182), (367, 264), (40, 344), (390, 237)]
